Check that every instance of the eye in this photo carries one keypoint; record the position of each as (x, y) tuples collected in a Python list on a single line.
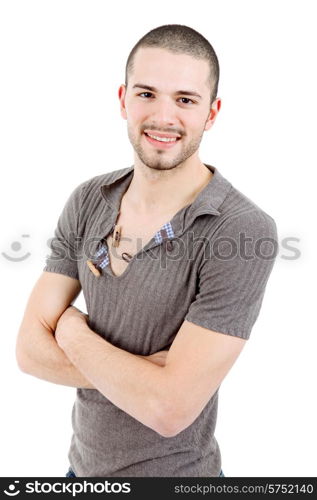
[(145, 94), (187, 100)]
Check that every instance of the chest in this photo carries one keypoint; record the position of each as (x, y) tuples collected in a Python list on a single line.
[(140, 305), (135, 233)]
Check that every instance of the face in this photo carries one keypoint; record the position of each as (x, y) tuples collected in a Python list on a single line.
[(167, 107)]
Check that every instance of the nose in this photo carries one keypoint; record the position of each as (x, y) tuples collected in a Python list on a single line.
[(164, 112)]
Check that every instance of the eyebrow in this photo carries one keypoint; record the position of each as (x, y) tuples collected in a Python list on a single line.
[(178, 92)]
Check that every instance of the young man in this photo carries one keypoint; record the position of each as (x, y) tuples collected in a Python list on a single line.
[(173, 262)]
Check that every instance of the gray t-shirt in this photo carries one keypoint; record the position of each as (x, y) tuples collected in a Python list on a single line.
[(209, 265)]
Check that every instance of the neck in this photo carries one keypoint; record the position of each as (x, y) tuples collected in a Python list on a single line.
[(156, 191)]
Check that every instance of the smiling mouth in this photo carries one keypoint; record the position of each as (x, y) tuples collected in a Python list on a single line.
[(164, 142)]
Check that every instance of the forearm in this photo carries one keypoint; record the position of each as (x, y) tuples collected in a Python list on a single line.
[(129, 381), (47, 361)]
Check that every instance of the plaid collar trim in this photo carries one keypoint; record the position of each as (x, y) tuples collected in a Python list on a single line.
[(166, 232), (101, 258)]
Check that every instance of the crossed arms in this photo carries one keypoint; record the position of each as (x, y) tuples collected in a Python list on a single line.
[(55, 343)]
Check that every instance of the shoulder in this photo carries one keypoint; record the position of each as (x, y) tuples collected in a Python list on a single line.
[(240, 213)]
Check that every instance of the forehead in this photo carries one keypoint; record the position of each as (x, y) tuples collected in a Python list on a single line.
[(164, 69)]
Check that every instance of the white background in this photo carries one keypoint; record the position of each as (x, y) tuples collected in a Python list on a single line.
[(62, 62)]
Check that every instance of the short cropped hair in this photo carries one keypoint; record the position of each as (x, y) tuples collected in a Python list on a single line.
[(179, 39)]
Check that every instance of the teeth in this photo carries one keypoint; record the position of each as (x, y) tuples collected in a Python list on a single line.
[(163, 139)]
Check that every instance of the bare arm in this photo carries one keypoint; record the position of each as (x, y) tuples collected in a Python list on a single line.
[(37, 351), (167, 398)]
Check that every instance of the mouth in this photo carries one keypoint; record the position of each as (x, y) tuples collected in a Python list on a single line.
[(162, 142)]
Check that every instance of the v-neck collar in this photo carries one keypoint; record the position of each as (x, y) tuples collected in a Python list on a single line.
[(208, 200)]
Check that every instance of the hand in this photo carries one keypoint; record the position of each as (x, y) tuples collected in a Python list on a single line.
[(158, 358), (69, 325)]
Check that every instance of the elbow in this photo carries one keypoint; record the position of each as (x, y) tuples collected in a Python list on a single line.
[(22, 366), (21, 363), (171, 421), (21, 359)]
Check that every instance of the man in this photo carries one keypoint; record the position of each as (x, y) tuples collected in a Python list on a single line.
[(173, 262)]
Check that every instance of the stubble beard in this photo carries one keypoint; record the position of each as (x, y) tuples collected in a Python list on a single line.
[(158, 159)]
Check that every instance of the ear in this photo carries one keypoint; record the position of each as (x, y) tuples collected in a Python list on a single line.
[(121, 93), (214, 110)]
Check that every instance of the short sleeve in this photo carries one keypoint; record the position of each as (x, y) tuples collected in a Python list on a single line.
[(234, 274), (64, 246)]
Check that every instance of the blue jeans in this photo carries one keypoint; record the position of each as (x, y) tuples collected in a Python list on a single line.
[(71, 473)]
